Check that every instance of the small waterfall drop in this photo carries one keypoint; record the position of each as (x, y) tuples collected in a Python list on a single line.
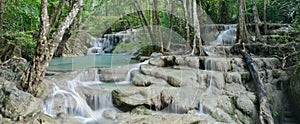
[(226, 37), (216, 50), (79, 101)]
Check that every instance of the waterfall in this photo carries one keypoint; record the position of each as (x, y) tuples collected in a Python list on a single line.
[(226, 37), (128, 76), (70, 99)]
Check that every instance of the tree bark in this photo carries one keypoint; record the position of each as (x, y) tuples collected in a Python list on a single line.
[(187, 23), (265, 115), (56, 13), (173, 9), (224, 11), (197, 36), (256, 21), (2, 6), (265, 17), (241, 29), (158, 25), (35, 73), (143, 18)]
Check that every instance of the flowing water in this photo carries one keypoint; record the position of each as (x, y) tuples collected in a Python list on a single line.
[(86, 98), (216, 50)]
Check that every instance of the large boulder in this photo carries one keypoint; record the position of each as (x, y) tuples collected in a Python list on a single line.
[(175, 77), (13, 68), (245, 104), (141, 80), (76, 45), (128, 98), (40, 118), (16, 104)]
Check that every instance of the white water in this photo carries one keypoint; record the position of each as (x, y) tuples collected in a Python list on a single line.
[(76, 97), (225, 38)]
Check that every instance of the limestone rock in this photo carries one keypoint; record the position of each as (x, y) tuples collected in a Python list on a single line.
[(233, 77), (41, 118), (110, 114), (142, 80), (226, 104), (193, 62), (63, 118), (216, 79), (175, 77), (215, 64), (76, 45), (13, 68), (158, 61), (127, 98), (159, 118), (16, 103), (243, 118), (245, 104)]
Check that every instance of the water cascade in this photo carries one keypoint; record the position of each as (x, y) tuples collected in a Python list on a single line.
[(85, 97), (217, 51)]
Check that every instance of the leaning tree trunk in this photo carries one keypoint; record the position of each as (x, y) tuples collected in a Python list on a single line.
[(35, 73), (265, 116), (241, 29)]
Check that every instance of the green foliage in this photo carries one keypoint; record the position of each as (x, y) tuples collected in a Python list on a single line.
[(129, 47), (275, 113), (24, 41), (21, 15)]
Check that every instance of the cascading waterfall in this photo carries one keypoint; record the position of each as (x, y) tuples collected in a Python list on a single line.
[(80, 99), (225, 38), (70, 100)]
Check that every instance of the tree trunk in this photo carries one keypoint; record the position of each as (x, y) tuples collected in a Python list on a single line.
[(256, 21), (56, 13), (187, 23), (265, 17), (173, 9), (158, 25), (265, 115), (197, 35), (2, 6), (143, 18), (35, 73), (224, 11), (241, 29)]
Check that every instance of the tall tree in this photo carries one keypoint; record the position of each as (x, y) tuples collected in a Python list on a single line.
[(197, 36), (2, 6), (265, 17), (158, 25), (187, 23), (173, 10), (256, 21), (46, 47), (143, 19), (241, 29)]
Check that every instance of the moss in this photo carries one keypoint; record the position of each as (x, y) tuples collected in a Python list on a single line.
[(246, 77), (276, 74)]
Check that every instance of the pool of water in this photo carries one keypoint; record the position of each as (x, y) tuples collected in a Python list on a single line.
[(90, 61)]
